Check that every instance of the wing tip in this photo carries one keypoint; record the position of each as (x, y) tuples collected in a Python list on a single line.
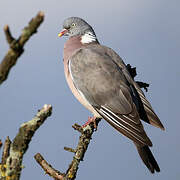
[(158, 125)]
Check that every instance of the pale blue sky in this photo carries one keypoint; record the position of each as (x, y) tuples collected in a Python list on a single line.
[(144, 33)]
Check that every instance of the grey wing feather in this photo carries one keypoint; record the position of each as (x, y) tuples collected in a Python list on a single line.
[(152, 117), (146, 112), (127, 125), (105, 87)]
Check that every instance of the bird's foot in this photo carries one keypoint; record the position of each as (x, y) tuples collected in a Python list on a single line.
[(91, 120)]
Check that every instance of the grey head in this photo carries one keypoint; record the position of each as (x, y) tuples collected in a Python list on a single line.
[(75, 26)]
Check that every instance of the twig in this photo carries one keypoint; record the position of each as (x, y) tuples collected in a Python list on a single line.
[(7, 32), (48, 168), (69, 149), (78, 128), (5, 155), (18, 147), (79, 151), (16, 46), (6, 148)]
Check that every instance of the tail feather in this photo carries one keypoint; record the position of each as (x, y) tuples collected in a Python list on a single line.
[(148, 158)]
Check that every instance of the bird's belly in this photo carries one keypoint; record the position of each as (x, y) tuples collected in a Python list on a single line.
[(80, 96)]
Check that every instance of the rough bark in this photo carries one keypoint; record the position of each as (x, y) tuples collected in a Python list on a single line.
[(16, 46), (13, 152), (79, 152)]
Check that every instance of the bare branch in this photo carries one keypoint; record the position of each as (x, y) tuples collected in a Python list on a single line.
[(69, 149), (81, 149), (18, 147), (16, 46), (78, 128), (79, 152), (5, 155), (7, 32), (48, 168), (6, 148)]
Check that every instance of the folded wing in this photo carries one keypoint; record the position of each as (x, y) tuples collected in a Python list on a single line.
[(101, 81), (146, 111)]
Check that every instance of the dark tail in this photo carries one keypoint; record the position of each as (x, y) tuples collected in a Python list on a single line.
[(148, 158)]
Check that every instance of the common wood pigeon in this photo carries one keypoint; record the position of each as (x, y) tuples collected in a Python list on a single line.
[(99, 79)]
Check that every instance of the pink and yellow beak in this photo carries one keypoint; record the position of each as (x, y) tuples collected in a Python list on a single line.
[(64, 31)]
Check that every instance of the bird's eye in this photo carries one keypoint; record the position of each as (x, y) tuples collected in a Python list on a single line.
[(73, 24)]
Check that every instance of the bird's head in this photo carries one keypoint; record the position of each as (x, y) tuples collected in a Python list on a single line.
[(75, 26)]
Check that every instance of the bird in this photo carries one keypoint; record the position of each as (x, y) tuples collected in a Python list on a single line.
[(100, 80)]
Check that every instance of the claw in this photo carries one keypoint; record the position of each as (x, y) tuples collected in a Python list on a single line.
[(90, 120)]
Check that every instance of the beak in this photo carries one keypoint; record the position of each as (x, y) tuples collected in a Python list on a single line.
[(63, 32)]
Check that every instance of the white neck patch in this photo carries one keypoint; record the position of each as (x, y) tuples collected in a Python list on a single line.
[(88, 38)]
